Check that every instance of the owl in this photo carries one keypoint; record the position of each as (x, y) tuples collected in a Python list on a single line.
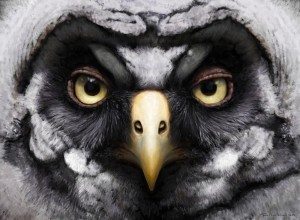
[(149, 109)]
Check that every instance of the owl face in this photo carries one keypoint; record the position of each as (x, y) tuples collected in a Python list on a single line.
[(148, 125)]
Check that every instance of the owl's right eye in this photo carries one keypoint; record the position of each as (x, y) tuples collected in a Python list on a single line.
[(87, 87)]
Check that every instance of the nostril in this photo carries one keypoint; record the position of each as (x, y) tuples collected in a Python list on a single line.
[(162, 127), (138, 127)]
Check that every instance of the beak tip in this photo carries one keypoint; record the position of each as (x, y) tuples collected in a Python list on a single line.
[(151, 189), (151, 184), (151, 180)]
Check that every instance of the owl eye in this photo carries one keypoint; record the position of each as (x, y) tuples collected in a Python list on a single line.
[(87, 87), (213, 87)]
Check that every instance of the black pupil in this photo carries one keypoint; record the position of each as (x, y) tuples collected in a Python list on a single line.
[(208, 87), (92, 86)]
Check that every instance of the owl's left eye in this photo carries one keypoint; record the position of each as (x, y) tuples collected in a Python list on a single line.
[(87, 87), (213, 87)]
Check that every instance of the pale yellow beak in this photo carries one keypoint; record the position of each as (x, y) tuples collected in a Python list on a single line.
[(150, 145)]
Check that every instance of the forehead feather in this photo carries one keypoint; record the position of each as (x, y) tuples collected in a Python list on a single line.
[(151, 65)]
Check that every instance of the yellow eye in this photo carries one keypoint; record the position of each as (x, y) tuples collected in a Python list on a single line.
[(214, 87), (211, 91), (87, 89)]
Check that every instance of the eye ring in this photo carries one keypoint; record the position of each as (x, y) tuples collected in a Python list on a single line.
[(77, 89), (222, 82)]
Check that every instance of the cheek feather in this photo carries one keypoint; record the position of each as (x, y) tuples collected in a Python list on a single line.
[(77, 160), (46, 142), (226, 160), (98, 192), (259, 143), (254, 143), (211, 189)]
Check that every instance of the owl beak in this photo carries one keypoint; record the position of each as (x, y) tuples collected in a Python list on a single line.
[(150, 133)]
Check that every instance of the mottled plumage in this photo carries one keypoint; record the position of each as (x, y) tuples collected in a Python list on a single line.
[(60, 159)]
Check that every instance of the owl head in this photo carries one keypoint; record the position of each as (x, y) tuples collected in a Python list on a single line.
[(131, 109)]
